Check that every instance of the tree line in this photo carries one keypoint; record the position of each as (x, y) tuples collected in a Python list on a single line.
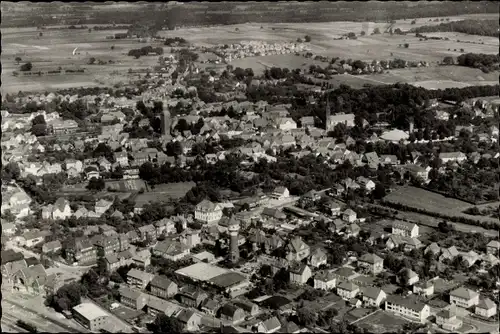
[(470, 27)]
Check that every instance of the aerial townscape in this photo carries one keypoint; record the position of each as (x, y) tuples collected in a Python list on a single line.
[(250, 167)]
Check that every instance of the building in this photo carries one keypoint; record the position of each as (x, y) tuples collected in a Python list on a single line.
[(333, 120), (408, 307), (486, 308), (139, 279), (448, 320), (325, 280), (33, 238), (142, 258), (280, 193), (90, 316), (493, 247), (61, 209), (105, 245), (424, 288), (452, 156), (347, 290), (51, 247), (297, 250), (30, 279), (407, 277), (171, 250), (208, 212), (147, 232), (271, 325), (247, 306), (416, 171), (372, 263), (191, 296), (286, 124), (464, 297), (232, 313), (318, 258), (405, 229), (162, 287), (299, 273), (82, 252), (349, 216), (157, 305), (190, 319), (233, 229), (373, 296), (134, 299)]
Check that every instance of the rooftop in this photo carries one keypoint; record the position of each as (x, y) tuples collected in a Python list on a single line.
[(90, 311)]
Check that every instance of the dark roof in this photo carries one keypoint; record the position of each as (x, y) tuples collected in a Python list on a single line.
[(229, 310), (11, 256), (161, 282), (276, 302), (228, 279)]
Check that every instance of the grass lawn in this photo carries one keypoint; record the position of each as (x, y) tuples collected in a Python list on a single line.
[(382, 322)]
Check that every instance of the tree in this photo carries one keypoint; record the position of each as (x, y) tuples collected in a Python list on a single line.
[(306, 317), (40, 34), (448, 60), (26, 67), (299, 40), (112, 47), (96, 184), (91, 61), (379, 191), (376, 31), (166, 324), (18, 60), (407, 45), (307, 38), (363, 33)]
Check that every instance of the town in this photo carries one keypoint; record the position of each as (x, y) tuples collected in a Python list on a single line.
[(202, 196)]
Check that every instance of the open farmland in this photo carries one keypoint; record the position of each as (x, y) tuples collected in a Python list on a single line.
[(382, 322), (164, 192), (54, 49), (429, 201), (291, 61)]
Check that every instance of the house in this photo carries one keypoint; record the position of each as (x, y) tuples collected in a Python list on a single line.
[(352, 230), (134, 299), (105, 245), (191, 296), (90, 316), (138, 278), (190, 319), (61, 209), (208, 212), (493, 247), (8, 229), (247, 306), (372, 159), (286, 124), (347, 290), (118, 260), (318, 258), (373, 296), (297, 250), (486, 308), (470, 257), (407, 277), (389, 160), (325, 280), (147, 232), (310, 198), (416, 171), (51, 247), (142, 259), (452, 156), (171, 250), (33, 238), (82, 252), (163, 287), (280, 193), (411, 244), (424, 288), (30, 279), (273, 213), (91, 172), (104, 163), (405, 229), (366, 183), (464, 297), (372, 263), (333, 120), (408, 307), (448, 253), (157, 305), (77, 165), (299, 273), (231, 313), (349, 216), (190, 238), (433, 248), (210, 307), (271, 325), (102, 206), (448, 320)]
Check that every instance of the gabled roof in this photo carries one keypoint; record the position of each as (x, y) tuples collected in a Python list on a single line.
[(272, 324), (371, 258), (464, 293), (402, 225), (296, 245), (60, 204), (486, 304), (349, 286), (229, 310), (493, 243), (372, 292), (162, 282)]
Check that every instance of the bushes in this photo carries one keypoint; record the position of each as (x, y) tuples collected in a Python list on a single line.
[(144, 51)]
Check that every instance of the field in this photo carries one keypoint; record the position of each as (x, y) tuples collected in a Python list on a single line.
[(291, 61), (164, 192), (382, 322), (432, 202)]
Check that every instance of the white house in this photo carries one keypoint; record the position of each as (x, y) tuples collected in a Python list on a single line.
[(208, 212), (405, 229), (349, 216), (347, 290), (61, 209), (452, 156), (373, 296), (280, 193), (464, 297), (486, 308), (325, 280), (408, 307), (286, 124)]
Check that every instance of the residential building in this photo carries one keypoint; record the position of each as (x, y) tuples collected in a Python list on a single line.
[(349, 216), (90, 316), (102, 206), (333, 120), (464, 297), (448, 253), (51, 247), (486, 308), (280, 193), (373, 263), (190, 319), (171, 250), (493, 247), (416, 171), (286, 124), (452, 156), (191, 296), (33, 238), (297, 250), (142, 258), (405, 229), (247, 306), (82, 252), (408, 307), (424, 288), (139, 279), (231, 313), (271, 325), (448, 320), (134, 299), (105, 245), (208, 212), (147, 232), (325, 280), (318, 258), (299, 273), (163, 287), (373, 296), (347, 290), (407, 277), (157, 306), (30, 279), (61, 209)]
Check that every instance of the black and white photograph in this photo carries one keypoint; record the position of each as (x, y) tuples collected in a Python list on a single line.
[(250, 167)]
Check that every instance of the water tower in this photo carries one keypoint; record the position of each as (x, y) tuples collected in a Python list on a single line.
[(234, 251)]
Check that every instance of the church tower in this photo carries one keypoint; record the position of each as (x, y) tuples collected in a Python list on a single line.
[(166, 121)]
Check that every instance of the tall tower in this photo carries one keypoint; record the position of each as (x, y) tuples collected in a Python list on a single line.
[(327, 114), (234, 251)]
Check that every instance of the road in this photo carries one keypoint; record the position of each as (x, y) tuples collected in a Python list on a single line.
[(481, 326)]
